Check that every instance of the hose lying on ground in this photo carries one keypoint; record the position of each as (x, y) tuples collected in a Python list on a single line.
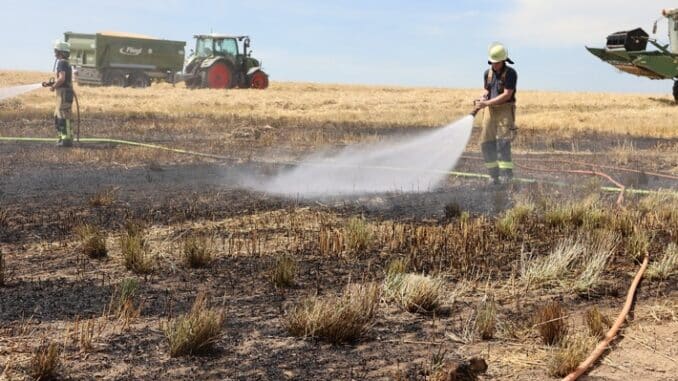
[(612, 333)]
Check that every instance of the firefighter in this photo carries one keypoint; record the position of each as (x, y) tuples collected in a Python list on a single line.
[(498, 121), (63, 87)]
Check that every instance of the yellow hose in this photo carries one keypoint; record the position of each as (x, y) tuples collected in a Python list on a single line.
[(386, 168)]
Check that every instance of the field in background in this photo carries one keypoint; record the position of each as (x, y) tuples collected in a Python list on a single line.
[(108, 253)]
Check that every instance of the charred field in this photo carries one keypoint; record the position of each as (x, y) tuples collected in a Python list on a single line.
[(121, 262)]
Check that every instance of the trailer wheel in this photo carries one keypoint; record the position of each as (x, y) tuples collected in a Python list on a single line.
[(675, 91), (218, 76), (259, 80), (139, 80), (115, 78)]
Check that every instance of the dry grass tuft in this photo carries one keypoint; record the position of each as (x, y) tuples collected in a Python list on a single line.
[(397, 266), (599, 250), (197, 251), (574, 350), (83, 332), (486, 318), (551, 323), (92, 241), (284, 271), (103, 198), (336, 319), (413, 292), (554, 266), (4, 219), (135, 251), (123, 301), (45, 363), (2, 269), (597, 323), (195, 332), (452, 210), (638, 244), (666, 265), (358, 234)]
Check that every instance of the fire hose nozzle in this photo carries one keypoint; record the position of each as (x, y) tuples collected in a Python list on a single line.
[(48, 83)]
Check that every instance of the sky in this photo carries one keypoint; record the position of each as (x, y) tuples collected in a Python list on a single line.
[(436, 43)]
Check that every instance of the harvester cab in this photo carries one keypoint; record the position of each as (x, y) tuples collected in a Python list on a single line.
[(627, 51), (221, 62)]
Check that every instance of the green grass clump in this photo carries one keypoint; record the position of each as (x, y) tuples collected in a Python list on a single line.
[(509, 224), (123, 302), (358, 234), (664, 266)]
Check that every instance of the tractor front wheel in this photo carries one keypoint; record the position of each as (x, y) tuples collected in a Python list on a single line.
[(675, 91), (218, 76), (259, 80)]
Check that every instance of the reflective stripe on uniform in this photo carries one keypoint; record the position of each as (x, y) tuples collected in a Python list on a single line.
[(505, 164), (493, 164)]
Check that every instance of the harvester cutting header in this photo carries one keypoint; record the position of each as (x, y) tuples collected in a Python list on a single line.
[(627, 51), (115, 59)]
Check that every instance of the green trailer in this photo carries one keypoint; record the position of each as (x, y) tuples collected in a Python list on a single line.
[(115, 59), (627, 51)]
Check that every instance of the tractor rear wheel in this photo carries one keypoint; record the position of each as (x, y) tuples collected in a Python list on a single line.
[(218, 76), (139, 80), (259, 80), (115, 78), (675, 91)]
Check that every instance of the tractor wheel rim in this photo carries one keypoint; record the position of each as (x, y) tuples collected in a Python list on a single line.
[(218, 76), (258, 81)]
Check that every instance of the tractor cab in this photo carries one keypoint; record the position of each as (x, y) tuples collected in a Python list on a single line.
[(216, 45), (222, 61)]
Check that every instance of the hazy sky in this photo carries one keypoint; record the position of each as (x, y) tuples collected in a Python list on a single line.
[(410, 43)]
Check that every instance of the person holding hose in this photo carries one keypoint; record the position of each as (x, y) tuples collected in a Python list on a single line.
[(63, 87), (498, 121)]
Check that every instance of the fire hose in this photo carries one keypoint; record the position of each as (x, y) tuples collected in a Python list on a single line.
[(612, 333)]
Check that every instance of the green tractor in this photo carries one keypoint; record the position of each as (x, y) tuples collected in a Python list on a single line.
[(223, 62), (627, 51)]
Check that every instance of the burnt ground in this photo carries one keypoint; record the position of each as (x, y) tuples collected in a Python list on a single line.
[(50, 285)]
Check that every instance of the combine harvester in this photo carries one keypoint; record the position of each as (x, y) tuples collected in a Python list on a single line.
[(627, 51), (115, 59)]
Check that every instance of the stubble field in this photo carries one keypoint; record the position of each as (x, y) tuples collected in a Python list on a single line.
[(121, 262)]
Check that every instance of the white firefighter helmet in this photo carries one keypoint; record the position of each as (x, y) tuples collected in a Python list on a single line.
[(498, 53), (62, 46)]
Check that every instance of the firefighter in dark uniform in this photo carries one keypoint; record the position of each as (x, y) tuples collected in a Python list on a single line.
[(498, 120), (63, 87)]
